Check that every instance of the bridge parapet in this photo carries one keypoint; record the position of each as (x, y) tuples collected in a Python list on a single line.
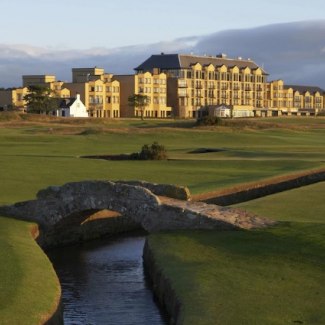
[(56, 205)]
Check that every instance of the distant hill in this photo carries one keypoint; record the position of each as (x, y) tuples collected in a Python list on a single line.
[(294, 52)]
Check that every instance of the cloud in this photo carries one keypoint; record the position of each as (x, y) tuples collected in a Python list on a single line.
[(294, 52)]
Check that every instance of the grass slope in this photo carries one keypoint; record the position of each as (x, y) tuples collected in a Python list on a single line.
[(272, 276), (305, 204), (29, 288)]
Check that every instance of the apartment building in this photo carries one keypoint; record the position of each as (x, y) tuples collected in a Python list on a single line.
[(13, 98), (196, 81), (295, 99), (98, 91), (57, 87), (153, 85)]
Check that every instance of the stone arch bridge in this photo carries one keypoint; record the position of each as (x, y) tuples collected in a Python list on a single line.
[(138, 203)]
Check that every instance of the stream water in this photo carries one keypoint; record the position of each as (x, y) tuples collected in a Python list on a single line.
[(103, 282)]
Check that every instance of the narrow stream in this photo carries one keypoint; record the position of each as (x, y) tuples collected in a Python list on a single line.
[(103, 282)]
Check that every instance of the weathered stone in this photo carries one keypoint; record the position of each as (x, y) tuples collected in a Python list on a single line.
[(66, 206), (169, 190)]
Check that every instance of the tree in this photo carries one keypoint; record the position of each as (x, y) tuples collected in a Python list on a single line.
[(140, 102), (155, 151), (39, 100)]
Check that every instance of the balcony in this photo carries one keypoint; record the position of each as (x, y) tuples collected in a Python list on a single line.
[(182, 84)]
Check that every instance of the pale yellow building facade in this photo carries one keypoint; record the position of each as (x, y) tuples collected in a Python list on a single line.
[(13, 99), (152, 85), (198, 81), (98, 91), (179, 85), (295, 99)]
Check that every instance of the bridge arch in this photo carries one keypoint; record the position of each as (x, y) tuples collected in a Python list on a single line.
[(137, 205)]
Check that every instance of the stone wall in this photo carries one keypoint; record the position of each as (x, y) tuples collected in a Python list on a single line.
[(169, 190), (258, 190), (162, 287)]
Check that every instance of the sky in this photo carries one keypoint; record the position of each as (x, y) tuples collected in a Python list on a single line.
[(84, 24), (285, 37)]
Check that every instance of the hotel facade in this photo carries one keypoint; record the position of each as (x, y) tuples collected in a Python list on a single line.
[(177, 85), (199, 82)]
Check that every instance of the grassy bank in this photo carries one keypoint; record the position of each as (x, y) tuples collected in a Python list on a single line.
[(305, 204), (29, 288), (273, 276)]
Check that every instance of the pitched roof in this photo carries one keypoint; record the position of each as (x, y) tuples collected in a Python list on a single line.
[(303, 89), (66, 102), (183, 61)]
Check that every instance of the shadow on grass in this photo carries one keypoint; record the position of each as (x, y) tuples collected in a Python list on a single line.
[(292, 241)]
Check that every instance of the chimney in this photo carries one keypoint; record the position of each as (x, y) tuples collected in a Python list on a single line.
[(77, 96), (221, 55)]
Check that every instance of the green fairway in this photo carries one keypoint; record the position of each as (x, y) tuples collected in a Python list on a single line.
[(261, 276), (272, 276), (305, 204), (34, 156)]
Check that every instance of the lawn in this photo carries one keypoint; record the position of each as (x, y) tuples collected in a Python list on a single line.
[(265, 266), (304, 204), (269, 276), (36, 155), (29, 288), (272, 276)]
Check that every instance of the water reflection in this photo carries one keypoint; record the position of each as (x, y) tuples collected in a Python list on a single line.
[(103, 283)]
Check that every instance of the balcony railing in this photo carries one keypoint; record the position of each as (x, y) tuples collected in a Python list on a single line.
[(182, 84)]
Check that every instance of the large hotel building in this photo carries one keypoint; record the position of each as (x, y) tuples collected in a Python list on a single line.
[(196, 82), (177, 85)]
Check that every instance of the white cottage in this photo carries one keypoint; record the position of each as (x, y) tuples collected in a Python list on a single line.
[(72, 107)]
